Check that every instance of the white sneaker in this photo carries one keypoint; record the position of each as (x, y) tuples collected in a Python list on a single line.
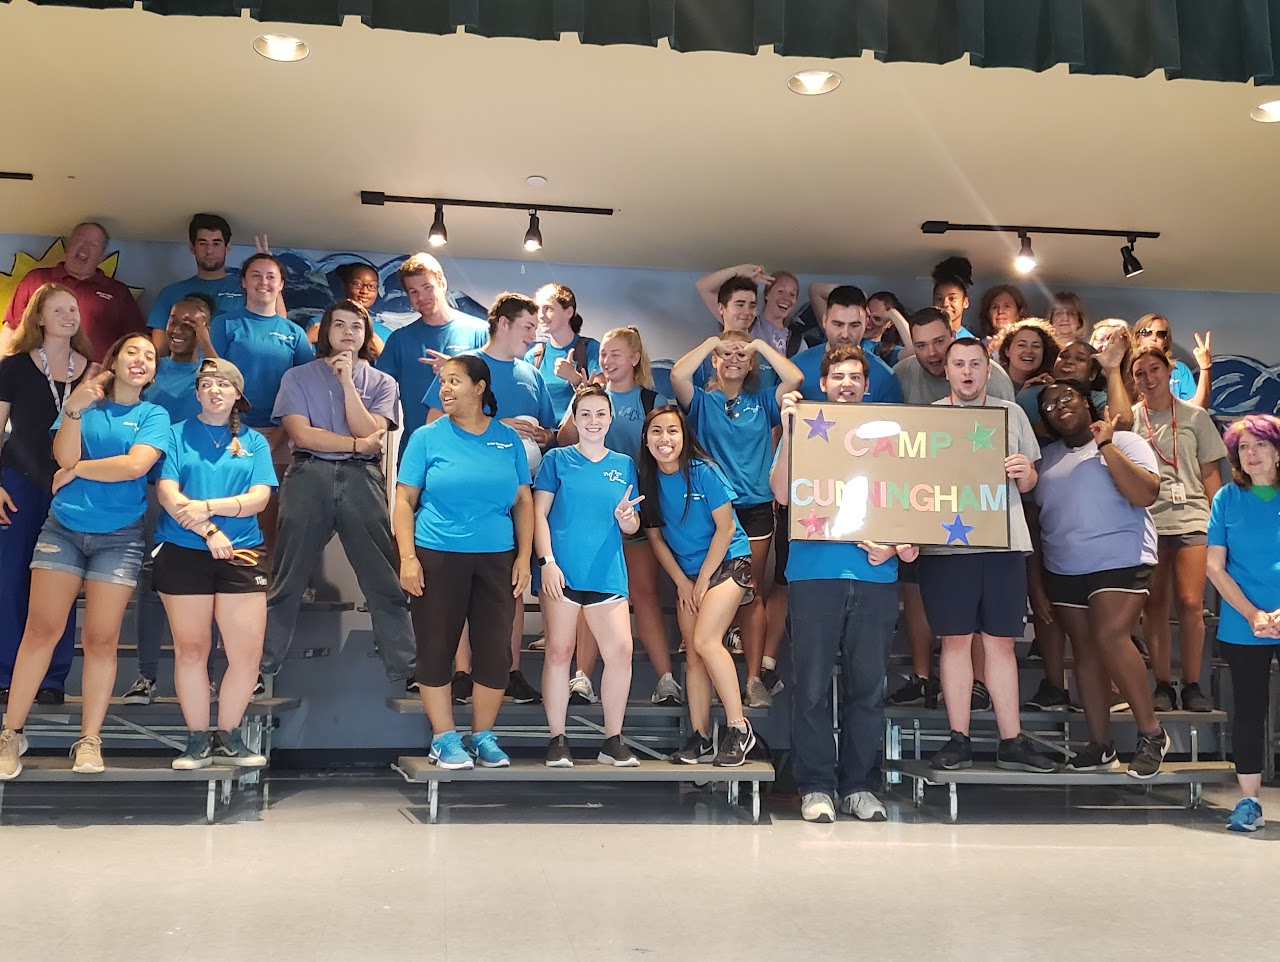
[(580, 690), (12, 747), (817, 807), (667, 691), (863, 806)]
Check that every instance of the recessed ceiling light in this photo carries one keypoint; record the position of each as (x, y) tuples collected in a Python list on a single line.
[(1268, 113), (536, 180), (810, 83), (281, 47)]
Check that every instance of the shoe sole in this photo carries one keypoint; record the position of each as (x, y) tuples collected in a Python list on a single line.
[(951, 768), (700, 760), (670, 700), (88, 769), (581, 700), (1024, 767), (631, 762), (1111, 766), (451, 766), (191, 766), (560, 763), (822, 818), (505, 763), (876, 817), (136, 700), (520, 701), (6, 777), (258, 762), (1246, 829)]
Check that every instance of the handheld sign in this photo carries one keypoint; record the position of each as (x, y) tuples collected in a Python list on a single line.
[(900, 474)]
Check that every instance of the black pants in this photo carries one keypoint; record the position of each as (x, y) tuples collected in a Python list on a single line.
[(460, 589), (1251, 696)]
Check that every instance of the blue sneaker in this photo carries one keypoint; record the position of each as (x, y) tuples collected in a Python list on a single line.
[(1246, 817), (483, 747), (447, 752)]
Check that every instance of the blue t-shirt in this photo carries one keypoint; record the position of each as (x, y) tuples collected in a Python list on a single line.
[(402, 357), (469, 483), (873, 347), (560, 390), (740, 438), (517, 386), (198, 456), (263, 348), (1182, 382), (585, 537), (882, 384), (106, 431), (1249, 528), (227, 293), (706, 371), (174, 388), (689, 535), (628, 420)]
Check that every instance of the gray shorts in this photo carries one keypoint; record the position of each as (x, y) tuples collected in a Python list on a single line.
[(113, 557)]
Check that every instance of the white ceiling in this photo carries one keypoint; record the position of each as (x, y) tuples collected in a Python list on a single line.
[(140, 120)]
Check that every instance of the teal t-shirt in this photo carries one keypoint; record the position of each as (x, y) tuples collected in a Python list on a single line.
[(628, 420), (263, 348), (517, 387), (1249, 528), (882, 384), (560, 390), (227, 293), (688, 525), (174, 388), (738, 433)]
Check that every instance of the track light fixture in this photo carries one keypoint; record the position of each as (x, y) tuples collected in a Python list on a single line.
[(1128, 260), (1026, 259), (438, 236), (1025, 262)]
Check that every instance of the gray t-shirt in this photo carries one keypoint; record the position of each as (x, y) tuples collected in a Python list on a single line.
[(1021, 440), (314, 391), (775, 337), (1198, 443), (921, 387)]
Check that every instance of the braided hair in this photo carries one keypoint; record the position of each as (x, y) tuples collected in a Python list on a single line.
[(237, 449)]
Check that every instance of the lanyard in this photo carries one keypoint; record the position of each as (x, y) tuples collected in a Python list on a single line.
[(59, 401), (1151, 435)]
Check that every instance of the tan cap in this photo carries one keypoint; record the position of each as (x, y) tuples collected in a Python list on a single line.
[(221, 367)]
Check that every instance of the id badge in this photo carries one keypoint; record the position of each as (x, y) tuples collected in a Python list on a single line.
[(1178, 493)]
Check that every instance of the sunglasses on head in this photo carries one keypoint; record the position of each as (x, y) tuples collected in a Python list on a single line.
[(1152, 332), (731, 407)]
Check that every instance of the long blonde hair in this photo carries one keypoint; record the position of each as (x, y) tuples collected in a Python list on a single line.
[(30, 334), (643, 373)]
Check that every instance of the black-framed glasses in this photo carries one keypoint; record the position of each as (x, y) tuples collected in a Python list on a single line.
[(1152, 332), (364, 287), (1064, 395)]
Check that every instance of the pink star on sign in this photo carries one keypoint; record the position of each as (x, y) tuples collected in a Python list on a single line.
[(814, 524)]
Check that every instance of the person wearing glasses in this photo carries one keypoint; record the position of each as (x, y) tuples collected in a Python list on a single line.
[(359, 284), (734, 416), (1153, 330), (1067, 318)]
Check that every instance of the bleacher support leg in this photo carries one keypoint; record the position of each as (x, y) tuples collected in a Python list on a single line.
[(1195, 794), (210, 801), (755, 802), (433, 800), (955, 802)]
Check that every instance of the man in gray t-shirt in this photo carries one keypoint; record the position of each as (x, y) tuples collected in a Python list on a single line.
[(923, 376)]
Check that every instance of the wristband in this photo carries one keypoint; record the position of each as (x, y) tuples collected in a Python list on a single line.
[(213, 529), (73, 415), (1103, 444), (546, 560), (353, 445)]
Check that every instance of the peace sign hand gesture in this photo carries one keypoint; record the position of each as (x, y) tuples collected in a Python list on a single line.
[(1203, 351), (625, 512), (1103, 430)]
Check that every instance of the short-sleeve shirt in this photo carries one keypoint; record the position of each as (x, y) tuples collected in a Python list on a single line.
[(1249, 528), (776, 337), (32, 411), (198, 457), (403, 353), (1021, 440), (1086, 524), (560, 390), (227, 293), (263, 348), (738, 433), (921, 387), (1182, 382), (108, 430), (174, 388), (688, 533), (107, 309), (1198, 443), (628, 420), (882, 385), (469, 484), (315, 392), (585, 537), (517, 386)]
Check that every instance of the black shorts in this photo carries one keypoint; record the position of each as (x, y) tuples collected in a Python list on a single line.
[(781, 542), (739, 570), (1074, 591), (194, 571), (982, 591), (589, 599), (756, 520), (909, 572), (1192, 539)]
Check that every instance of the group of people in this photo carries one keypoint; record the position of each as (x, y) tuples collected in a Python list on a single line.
[(534, 456)]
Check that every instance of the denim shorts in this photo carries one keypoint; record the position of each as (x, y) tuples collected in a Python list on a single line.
[(113, 557)]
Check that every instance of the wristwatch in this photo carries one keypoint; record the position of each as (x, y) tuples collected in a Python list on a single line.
[(543, 562)]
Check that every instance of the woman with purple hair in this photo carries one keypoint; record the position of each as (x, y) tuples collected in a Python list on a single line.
[(1244, 565)]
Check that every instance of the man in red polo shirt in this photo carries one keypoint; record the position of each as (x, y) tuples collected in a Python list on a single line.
[(107, 309)]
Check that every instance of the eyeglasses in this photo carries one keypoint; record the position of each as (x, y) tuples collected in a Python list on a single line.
[(365, 287), (1152, 332), (1063, 398)]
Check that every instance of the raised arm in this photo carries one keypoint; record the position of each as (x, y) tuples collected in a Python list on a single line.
[(709, 284), (1203, 352), (1140, 487), (683, 370), (819, 291), (789, 376), (1119, 404)]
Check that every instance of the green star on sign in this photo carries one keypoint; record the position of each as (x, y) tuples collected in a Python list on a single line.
[(981, 437)]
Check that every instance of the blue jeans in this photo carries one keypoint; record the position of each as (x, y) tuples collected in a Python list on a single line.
[(17, 543), (112, 557), (852, 621)]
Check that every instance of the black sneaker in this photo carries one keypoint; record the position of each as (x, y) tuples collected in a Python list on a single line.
[(614, 751), (734, 746), (1149, 755), (1164, 698), (918, 690), (461, 688), (1093, 758), (1021, 755), (411, 687), (1194, 699), (1048, 697), (1033, 652), (980, 700), (520, 691), (698, 749), (955, 754), (771, 680), (51, 696), (558, 754)]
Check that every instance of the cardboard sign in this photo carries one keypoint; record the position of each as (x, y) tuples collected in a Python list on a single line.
[(900, 474)]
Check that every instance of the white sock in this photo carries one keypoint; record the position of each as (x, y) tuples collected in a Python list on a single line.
[(769, 663)]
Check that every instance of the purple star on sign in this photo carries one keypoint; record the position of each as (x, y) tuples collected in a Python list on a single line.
[(819, 426), (958, 531)]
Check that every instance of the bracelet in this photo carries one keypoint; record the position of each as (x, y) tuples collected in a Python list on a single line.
[(354, 441), (239, 506), (213, 529), (408, 557), (1103, 444), (73, 415)]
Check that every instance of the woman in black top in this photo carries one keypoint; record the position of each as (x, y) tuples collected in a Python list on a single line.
[(48, 358)]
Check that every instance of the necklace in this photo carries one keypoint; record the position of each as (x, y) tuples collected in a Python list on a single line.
[(59, 399), (214, 438)]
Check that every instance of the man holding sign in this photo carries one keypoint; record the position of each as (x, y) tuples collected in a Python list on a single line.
[(843, 603)]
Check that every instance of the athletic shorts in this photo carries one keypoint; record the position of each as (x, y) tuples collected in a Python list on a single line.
[(112, 557), (194, 571), (739, 570), (1074, 591), (638, 538), (756, 520), (589, 599), (781, 542), (1192, 539), (983, 591)]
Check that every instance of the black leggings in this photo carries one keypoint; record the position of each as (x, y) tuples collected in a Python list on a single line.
[(1251, 697), (460, 589)]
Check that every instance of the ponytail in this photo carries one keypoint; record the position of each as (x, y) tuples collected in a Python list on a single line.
[(236, 448), (489, 402)]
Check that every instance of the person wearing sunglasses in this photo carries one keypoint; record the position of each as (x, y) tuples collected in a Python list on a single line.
[(1153, 330), (210, 564), (734, 416)]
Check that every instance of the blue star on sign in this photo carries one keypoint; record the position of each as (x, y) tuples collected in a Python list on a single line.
[(958, 531), (819, 426)]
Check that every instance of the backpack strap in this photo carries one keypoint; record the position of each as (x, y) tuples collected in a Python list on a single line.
[(648, 397), (579, 355)]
